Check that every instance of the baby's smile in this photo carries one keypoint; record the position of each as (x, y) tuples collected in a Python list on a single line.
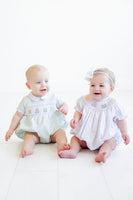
[(97, 93), (43, 90)]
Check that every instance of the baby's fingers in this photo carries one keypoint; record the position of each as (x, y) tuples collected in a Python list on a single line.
[(72, 123), (126, 139), (7, 136), (61, 110)]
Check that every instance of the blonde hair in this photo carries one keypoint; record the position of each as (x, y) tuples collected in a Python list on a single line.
[(108, 73), (34, 68)]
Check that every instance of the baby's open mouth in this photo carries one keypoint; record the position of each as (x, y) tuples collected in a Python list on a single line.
[(97, 93), (43, 90)]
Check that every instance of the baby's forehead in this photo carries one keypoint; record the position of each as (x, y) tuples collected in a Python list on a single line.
[(35, 68), (38, 71), (34, 74), (100, 77)]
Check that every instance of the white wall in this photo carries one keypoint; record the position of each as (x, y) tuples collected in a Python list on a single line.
[(68, 37)]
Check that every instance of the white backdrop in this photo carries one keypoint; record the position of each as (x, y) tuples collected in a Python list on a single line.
[(68, 37)]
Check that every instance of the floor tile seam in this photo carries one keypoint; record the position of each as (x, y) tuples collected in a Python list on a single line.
[(58, 179), (36, 171), (106, 184), (12, 178), (9, 143)]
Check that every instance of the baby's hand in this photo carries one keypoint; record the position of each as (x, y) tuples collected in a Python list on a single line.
[(126, 138), (8, 135), (73, 123), (63, 109)]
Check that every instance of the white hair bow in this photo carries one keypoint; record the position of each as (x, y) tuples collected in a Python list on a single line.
[(89, 75)]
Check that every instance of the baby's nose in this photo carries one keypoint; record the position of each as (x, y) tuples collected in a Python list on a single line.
[(43, 83), (97, 87)]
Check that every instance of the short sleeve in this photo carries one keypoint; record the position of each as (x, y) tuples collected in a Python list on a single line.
[(59, 102), (80, 105), (21, 107), (119, 112)]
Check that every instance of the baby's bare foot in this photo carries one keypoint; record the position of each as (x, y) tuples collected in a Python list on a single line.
[(26, 151), (101, 157), (66, 154), (64, 146)]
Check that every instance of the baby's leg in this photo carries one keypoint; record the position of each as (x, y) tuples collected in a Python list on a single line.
[(30, 139), (72, 152), (105, 150), (60, 138)]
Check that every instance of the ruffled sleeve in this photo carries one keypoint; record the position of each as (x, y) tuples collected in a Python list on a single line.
[(59, 102), (119, 112), (21, 106), (52, 98), (80, 104)]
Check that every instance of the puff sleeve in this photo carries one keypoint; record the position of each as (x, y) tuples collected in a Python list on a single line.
[(80, 104), (59, 102), (21, 106), (119, 112)]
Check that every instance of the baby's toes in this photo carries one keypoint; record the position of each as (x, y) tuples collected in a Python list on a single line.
[(67, 146)]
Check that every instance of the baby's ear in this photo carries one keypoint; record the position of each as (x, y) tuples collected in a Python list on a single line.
[(112, 89), (28, 86)]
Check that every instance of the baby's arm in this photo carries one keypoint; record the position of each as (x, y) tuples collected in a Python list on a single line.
[(63, 109), (77, 116), (14, 123), (123, 128)]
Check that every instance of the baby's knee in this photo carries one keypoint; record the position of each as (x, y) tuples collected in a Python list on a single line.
[(32, 136)]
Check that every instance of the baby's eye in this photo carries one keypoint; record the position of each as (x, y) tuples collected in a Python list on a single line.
[(92, 85), (38, 82), (101, 85), (46, 81)]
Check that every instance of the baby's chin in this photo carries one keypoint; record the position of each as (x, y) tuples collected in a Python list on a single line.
[(97, 96)]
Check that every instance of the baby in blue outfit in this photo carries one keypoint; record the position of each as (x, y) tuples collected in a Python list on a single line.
[(40, 116)]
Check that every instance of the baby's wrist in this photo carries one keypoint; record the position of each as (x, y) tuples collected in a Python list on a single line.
[(124, 133), (11, 131)]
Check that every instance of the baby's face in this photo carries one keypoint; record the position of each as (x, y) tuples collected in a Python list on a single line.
[(100, 87), (39, 83)]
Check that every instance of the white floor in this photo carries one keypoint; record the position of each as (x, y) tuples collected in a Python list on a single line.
[(46, 176)]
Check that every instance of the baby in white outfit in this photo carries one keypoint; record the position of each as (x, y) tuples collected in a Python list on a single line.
[(99, 121)]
